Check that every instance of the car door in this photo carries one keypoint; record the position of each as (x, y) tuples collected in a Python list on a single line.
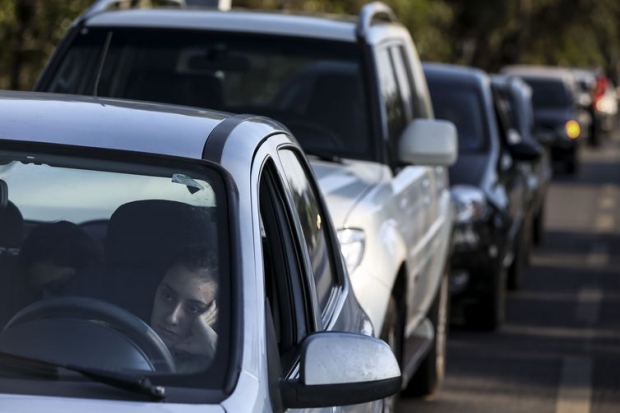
[(290, 304), (310, 293), (412, 184), (511, 174)]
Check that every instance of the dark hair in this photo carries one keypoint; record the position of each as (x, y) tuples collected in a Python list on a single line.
[(62, 243), (196, 257)]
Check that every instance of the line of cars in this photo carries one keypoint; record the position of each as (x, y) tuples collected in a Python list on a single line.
[(364, 194)]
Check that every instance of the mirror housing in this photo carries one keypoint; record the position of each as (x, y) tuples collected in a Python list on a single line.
[(339, 369), (429, 142)]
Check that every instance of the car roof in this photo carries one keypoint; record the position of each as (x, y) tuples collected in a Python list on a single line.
[(268, 23), (540, 72), (461, 74), (108, 123)]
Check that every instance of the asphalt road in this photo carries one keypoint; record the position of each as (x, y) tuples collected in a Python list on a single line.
[(559, 350)]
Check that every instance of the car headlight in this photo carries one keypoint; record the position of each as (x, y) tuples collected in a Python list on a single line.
[(352, 244), (469, 202)]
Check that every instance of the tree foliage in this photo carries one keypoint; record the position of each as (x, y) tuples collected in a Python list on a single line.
[(481, 33)]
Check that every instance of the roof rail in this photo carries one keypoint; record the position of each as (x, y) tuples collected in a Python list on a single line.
[(374, 12), (102, 5)]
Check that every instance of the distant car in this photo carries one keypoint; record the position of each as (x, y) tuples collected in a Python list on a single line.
[(288, 332), (489, 190), (518, 97), (351, 90), (586, 84), (556, 112), (605, 103)]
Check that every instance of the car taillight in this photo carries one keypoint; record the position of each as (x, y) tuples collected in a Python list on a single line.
[(572, 129)]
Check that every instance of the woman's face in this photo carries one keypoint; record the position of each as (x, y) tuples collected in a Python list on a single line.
[(182, 296)]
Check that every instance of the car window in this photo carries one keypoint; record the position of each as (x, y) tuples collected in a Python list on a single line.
[(549, 93), (284, 281), (139, 248), (392, 100), (292, 80), (405, 89), (313, 225), (462, 106)]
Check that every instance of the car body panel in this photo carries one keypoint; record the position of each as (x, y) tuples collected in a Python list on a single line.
[(196, 19), (244, 149)]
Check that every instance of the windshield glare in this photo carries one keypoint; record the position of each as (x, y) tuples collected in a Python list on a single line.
[(291, 80), (114, 270)]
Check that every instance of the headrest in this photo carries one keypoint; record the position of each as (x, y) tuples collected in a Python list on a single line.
[(11, 228), (148, 233)]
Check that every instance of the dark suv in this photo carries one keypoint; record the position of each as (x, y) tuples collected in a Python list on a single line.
[(489, 190), (556, 113)]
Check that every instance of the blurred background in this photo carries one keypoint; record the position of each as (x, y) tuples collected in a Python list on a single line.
[(481, 33)]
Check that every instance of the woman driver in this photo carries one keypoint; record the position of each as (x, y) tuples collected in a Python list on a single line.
[(185, 310)]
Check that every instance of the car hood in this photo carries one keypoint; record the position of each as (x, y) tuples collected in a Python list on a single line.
[(469, 169), (553, 116), (343, 185), (37, 404)]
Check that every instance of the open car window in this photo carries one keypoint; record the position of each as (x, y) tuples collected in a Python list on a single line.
[(115, 266)]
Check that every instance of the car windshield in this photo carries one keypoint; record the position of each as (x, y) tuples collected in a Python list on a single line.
[(114, 266), (462, 106), (549, 93), (289, 79)]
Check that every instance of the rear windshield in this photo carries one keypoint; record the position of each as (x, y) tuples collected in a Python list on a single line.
[(463, 106), (549, 94), (114, 266), (314, 87)]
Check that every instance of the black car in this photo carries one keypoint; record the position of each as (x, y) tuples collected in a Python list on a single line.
[(556, 111), (489, 191), (517, 96)]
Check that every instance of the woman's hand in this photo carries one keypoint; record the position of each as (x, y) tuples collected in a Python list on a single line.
[(203, 338)]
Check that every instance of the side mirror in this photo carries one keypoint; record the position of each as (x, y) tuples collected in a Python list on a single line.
[(428, 142), (339, 369), (526, 151)]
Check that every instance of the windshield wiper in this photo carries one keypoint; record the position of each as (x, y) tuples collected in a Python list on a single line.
[(323, 156), (124, 381)]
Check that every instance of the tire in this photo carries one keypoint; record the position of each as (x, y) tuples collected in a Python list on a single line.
[(515, 271), (430, 373), (538, 227), (392, 334), (488, 313)]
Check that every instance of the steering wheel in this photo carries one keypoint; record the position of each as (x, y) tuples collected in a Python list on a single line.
[(315, 135), (105, 315)]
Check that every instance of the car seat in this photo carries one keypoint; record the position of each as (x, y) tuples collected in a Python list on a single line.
[(142, 238), (14, 293)]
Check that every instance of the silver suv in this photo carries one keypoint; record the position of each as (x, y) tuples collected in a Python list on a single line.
[(353, 93)]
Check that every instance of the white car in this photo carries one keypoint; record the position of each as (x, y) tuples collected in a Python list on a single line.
[(354, 95), (215, 252)]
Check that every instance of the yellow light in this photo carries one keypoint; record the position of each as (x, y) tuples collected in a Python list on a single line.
[(572, 129)]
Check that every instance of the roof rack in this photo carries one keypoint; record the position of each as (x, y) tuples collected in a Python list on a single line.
[(102, 5), (371, 13)]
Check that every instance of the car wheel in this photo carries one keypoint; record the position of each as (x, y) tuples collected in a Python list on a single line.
[(538, 226), (429, 376), (487, 314), (515, 271), (392, 334)]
